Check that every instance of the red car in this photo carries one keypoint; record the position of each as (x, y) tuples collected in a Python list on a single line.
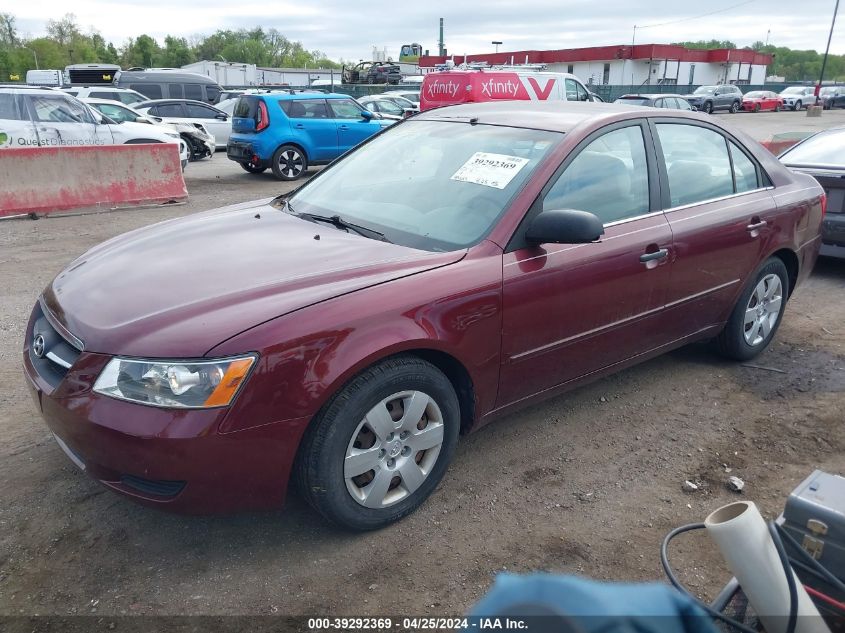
[(761, 100), (468, 261)]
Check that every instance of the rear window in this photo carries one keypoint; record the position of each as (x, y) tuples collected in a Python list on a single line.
[(820, 150), (151, 91), (112, 96), (246, 107), (305, 108), (212, 93)]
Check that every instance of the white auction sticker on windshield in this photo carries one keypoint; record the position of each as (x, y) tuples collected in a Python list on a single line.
[(490, 170)]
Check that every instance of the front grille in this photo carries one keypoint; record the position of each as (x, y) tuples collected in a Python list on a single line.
[(153, 487), (51, 354)]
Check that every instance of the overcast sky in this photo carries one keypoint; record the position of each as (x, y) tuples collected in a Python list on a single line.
[(350, 28)]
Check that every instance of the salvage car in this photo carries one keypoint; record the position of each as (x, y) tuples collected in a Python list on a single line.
[(762, 100), (217, 122), (33, 116), (199, 143), (466, 262), (822, 155), (287, 132)]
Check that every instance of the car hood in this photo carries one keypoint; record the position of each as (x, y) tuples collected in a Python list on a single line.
[(692, 96), (179, 288), (145, 130)]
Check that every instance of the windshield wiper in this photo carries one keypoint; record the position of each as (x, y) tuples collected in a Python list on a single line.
[(340, 223)]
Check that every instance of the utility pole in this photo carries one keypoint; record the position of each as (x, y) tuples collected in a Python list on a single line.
[(826, 51), (34, 54), (442, 49)]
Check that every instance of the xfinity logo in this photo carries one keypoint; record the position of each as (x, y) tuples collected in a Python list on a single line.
[(449, 89), (491, 86)]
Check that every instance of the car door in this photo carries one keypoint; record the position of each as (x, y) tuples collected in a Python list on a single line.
[(215, 121), (717, 203), (572, 309), (352, 126), (62, 121), (16, 126), (313, 127)]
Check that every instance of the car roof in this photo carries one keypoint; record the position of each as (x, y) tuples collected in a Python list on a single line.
[(25, 88), (284, 96), (555, 116), (152, 102), (104, 101), (652, 95)]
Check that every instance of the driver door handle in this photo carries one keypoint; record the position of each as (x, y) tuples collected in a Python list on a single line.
[(754, 226), (658, 254)]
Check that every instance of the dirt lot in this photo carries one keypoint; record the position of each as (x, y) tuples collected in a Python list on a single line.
[(587, 483)]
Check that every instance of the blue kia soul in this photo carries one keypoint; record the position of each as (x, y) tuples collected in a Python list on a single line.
[(289, 132)]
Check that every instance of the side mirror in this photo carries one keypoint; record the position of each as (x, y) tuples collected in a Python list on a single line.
[(366, 114), (142, 119), (222, 116), (564, 226)]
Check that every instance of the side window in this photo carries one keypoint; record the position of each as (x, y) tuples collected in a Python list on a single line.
[(745, 172), (697, 163), (10, 108), (56, 109), (344, 109), (581, 93), (307, 109), (683, 104), (194, 91), (115, 112), (129, 98), (200, 112), (176, 91), (211, 93), (152, 91), (170, 109), (111, 96), (571, 90), (609, 177)]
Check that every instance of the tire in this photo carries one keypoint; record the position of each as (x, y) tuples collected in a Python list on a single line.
[(707, 108), (777, 107), (196, 150), (734, 107), (253, 169), (289, 162), (743, 339), (379, 496), (756, 107), (798, 106)]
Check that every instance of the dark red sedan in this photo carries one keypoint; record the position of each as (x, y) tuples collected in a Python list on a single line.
[(761, 100), (468, 261)]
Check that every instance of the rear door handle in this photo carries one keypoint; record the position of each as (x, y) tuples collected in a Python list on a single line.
[(343, 127), (754, 226), (658, 254), (299, 126)]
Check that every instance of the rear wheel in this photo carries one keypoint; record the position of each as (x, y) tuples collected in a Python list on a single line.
[(757, 314), (734, 107), (289, 162), (252, 168), (380, 446), (777, 107)]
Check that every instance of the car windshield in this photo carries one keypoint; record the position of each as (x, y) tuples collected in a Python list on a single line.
[(756, 94), (794, 90), (824, 149), (827, 91), (432, 185), (705, 90)]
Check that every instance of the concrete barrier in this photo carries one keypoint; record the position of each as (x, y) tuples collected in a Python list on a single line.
[(45, 180)]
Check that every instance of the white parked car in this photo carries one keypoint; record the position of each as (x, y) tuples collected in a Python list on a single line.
[(187, 111), (199, 141), (411, 95), (44, 117), (107, 91)]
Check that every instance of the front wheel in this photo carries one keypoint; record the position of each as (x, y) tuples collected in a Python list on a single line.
[(734, 107), (798, 105), (707, 108), (289, 162), (381, 445), (777, 107), (756, 107), (757, 314)]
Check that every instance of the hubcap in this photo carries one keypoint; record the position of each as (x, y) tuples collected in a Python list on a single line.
[(394, 449), (764, 306), (290, 163)]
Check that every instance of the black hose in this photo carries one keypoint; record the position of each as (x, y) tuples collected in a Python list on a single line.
[(790, 577), (820, 569)]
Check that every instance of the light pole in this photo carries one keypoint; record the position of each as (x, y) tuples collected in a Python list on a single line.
[(496, 44), (35, 55), (824, 59)]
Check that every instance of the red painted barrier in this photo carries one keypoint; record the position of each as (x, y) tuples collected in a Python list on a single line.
[(47, 180), (778, 147)]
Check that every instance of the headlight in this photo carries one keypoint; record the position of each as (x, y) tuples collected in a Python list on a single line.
[(173, 135), (184, 384)]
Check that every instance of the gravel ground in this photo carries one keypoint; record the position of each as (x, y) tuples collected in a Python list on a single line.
[(587, 483)]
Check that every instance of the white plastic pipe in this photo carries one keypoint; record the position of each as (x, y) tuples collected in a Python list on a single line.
[(743, 537)]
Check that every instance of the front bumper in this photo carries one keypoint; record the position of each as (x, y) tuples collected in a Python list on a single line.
[(177, 460)]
